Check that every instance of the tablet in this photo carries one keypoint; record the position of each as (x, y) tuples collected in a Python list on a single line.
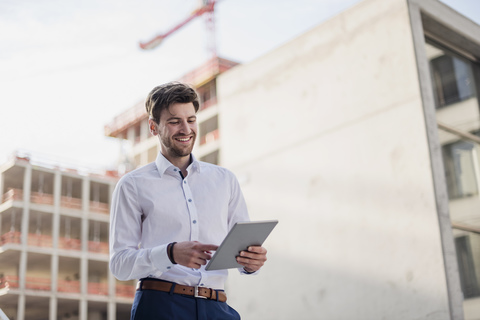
[(240, 237)]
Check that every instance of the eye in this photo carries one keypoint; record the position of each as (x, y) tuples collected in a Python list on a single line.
[(173, 122)]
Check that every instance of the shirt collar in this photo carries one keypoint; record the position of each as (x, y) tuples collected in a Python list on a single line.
[(163, 164)]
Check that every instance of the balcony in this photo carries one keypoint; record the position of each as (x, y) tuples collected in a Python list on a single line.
[(9, 282), (210, 137), (98, 247), (98, 288), (10, 237), (46, 241), (39, 240), (65, 202), (69, 202), (125, 290), (12, 195), (99, 207), (32, 283), (66, 286), (69, 244)]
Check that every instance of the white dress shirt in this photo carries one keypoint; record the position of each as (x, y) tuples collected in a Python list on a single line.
[(153, 206)]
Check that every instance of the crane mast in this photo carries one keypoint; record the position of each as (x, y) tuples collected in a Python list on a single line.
[(207, 8)]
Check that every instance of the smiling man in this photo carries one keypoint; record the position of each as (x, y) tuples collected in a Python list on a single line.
[(168, 216)]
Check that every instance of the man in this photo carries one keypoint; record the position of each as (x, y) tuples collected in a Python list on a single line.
[(168, 216)]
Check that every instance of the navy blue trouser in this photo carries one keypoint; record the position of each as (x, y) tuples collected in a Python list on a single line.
[(158, 305)]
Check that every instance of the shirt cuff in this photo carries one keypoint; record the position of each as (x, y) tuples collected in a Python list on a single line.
[(242, 271), (159, 258)]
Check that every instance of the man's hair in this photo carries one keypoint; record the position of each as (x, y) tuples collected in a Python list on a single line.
[(163, 96)]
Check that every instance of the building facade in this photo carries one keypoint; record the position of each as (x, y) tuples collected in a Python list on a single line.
[(360, 136), (54, 244)]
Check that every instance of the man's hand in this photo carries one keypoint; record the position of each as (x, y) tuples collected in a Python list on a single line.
[(192, 254), (252, 259)]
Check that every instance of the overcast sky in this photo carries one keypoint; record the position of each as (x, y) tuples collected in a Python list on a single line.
[(67, 67)]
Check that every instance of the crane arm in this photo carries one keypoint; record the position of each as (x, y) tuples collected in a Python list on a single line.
[(151, 44)]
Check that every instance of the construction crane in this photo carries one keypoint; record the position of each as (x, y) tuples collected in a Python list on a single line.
[(207, 7)]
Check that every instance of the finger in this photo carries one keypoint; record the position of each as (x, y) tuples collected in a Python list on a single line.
[(205, 256), (207, 247), (257, 249), (250, 261), (252, 265), (253, 256)]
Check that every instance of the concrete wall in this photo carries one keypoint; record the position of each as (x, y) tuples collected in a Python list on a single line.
[(327, 134)]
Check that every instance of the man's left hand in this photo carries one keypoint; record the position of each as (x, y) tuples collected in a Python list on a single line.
[(252, 259)]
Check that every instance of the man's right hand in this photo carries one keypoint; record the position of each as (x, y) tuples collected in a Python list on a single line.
[(193, 254)]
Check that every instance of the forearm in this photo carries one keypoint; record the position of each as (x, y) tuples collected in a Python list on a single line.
[(128, 264)]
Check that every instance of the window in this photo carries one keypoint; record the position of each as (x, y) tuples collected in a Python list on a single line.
[(211, 157), (209, 130), (452, 80), (466, 267), (208, 94), (461, 161)]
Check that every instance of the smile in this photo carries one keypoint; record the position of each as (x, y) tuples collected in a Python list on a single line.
[(183, 139)]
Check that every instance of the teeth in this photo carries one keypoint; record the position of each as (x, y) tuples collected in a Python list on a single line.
[(183, 140)]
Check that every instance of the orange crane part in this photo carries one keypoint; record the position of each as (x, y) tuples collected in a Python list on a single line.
[(208, 6)]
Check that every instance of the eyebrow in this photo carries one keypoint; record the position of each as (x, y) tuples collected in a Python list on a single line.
[(178, 118)]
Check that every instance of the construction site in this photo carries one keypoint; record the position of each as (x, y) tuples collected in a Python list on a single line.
[(372, 168)]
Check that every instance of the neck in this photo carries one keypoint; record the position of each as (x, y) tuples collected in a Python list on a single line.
[(180, 162)]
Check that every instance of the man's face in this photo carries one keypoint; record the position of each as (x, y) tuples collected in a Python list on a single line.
[(177, 130)]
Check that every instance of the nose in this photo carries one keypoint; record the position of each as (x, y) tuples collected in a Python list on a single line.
[(185, 128)]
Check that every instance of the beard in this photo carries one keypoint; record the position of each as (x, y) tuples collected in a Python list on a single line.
[(176, 150)]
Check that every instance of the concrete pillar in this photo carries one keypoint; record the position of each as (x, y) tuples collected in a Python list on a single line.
[(57, 189), (83, 310), (27, 186), (57, 181), (53, 308), (22, 271), (21, 307), (85, 209), (112, 312)]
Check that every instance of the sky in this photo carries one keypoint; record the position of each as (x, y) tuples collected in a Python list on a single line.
[(68, 67)]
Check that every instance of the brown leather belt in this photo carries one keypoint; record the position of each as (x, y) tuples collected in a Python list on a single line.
[(197, 292)]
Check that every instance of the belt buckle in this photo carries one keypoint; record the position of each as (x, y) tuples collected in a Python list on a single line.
[(196, 293)]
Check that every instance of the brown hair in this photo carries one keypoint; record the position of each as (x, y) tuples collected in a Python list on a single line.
[(163, 96)]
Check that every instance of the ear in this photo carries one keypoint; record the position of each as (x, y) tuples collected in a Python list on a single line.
[(153, 127)]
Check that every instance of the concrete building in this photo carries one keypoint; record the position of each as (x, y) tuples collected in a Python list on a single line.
[(54, 244), (360, 137)]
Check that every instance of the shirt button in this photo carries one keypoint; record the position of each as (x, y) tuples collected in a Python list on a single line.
[(189, 200), (194, 221), (185, 182), (202, 284), (175, 170), (168, 267)]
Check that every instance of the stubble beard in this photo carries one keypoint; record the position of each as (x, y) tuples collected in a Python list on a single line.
[(176, 151)]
